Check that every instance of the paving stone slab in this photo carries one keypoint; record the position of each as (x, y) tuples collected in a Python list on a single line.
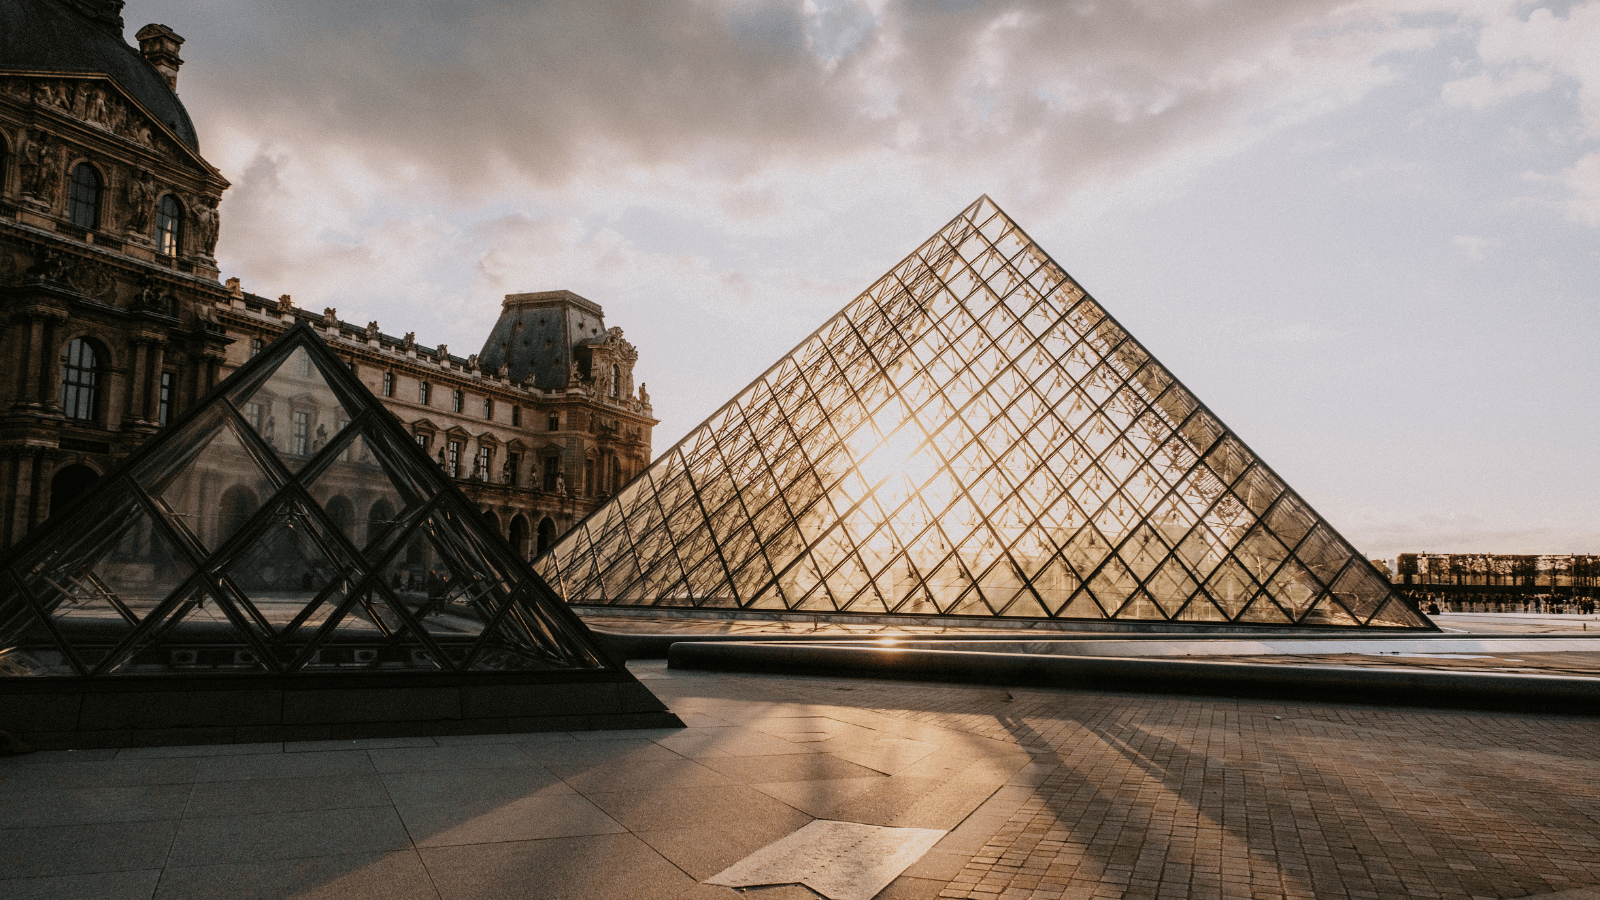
[(397, 875), (242, 839)]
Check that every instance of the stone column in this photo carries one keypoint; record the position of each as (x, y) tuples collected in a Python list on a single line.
[(32, 347), (49, 366), (137, 389), (36, 512), (151, 376)]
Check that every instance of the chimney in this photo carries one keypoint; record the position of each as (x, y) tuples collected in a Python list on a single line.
[(159, 45)]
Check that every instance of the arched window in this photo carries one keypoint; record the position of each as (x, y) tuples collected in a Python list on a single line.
[(169, 226), (83, 207), (79, 380)]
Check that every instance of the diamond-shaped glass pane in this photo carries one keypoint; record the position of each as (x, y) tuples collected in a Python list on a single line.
[(210, 484), (292, 573), (358, 494)]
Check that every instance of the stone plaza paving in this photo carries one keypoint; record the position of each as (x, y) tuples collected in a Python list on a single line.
[(1044, 793)]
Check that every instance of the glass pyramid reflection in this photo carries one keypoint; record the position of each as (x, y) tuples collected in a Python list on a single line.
[(972, 436), (287, 525)]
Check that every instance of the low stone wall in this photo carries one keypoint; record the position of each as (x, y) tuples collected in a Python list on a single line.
[(1395, 687), (81, 713)]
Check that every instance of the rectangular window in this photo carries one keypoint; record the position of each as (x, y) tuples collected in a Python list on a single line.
[(300, 444), (256, 345), (423, 390), (552, 471), (388, 384), (164, 408), (555, 421), (456, 400), (488, 408), (252, 414), (485, 459), (452, 460), (514, 468), (422, 441), (305, 364), (516, 417)]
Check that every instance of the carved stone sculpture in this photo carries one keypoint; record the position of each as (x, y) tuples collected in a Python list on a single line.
[(207, 221), (138, 193), (48, 265), (39, 177), (95, 108)]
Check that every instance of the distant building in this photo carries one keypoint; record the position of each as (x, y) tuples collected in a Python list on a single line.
[(1500, 572), (112, 319)]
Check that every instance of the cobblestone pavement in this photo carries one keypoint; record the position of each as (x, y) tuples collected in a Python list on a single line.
[(1143, 796), (1044, 793)]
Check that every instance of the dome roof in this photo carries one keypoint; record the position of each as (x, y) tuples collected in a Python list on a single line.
[(84, 37)]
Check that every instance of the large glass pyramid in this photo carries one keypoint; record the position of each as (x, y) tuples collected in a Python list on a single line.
[(286, 526), (972, 436)]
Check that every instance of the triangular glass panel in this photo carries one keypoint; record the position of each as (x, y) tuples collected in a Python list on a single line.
[(103, 583), (191, 634), (977, 386), (294, 410)]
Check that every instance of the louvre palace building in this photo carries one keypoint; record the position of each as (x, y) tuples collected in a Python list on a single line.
[(113, 320)]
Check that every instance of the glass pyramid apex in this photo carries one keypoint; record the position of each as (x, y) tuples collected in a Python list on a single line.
[(285, 526), (974, 435)]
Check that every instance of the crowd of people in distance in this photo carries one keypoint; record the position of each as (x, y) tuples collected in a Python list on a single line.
[(1433, 603)]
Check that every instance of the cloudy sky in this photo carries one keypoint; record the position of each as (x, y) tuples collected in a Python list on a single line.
[(1366, 234)]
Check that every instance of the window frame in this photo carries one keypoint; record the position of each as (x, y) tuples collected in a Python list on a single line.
[(80, 382), (167, 393), (300, 433), (452, 459), (84, 212), (169, 226)]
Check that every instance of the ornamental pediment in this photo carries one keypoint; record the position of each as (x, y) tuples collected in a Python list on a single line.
[(101, 103)]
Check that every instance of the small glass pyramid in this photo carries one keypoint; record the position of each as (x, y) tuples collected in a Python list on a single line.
[(285, 526), (972, 436)]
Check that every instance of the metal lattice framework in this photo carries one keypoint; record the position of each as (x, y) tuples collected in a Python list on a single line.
[(287, 525), (972, 436)]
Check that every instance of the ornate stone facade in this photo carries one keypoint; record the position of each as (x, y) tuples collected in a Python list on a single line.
[(536, 460), (112, 321)]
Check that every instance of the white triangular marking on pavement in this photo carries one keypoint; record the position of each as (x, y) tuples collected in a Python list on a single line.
[(839, 860)]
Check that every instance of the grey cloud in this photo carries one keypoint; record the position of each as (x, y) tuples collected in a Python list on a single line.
[(556, 87), (568, 87)]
